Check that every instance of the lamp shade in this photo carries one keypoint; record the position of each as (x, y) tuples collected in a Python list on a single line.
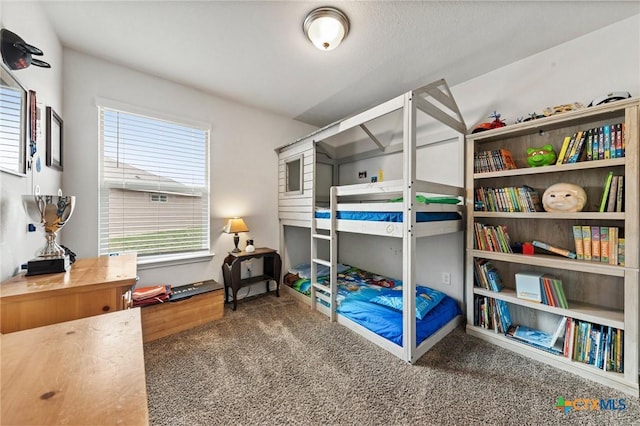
[(326, 27), (235, 225)]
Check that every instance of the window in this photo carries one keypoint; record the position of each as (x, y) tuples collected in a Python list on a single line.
[(154, 195), (294, 175), (13, 124)]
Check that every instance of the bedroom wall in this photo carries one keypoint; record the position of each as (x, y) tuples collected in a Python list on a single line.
[(16, 244), (567, 73), (243, 163)]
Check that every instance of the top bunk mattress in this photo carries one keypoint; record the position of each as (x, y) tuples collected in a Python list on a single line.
[(388, 216)]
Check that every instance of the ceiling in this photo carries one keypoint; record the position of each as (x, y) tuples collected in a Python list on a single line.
[(255, 52)]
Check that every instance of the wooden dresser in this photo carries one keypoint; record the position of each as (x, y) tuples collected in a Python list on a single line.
[(88, 371), (92, 286)]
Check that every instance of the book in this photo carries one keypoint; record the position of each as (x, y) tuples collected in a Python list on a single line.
[(613, 245), (568, 338), (507, 159), (576, 150), (493, 277), (577, 239), (607, 142), (619, 151), (613, 193), (557, 250), (528, 286), (531, 335), (605, 192), (604, 244), (595, 243), (620, 251), (620, 194), (567, 154), (563, 150), (589, 145), (586, 241), (600, 143), (504, 314), (559, 291), (560, 328)]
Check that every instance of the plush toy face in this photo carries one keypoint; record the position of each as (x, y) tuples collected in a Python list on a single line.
[(564, 197), (541, 156)]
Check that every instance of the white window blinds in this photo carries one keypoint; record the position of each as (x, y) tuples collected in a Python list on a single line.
[(144, 161), (13, 103)]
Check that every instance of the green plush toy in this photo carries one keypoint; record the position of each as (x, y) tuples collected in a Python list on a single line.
[(544, 156)]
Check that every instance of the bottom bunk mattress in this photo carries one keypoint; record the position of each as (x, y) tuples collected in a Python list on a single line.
[(375, 302)]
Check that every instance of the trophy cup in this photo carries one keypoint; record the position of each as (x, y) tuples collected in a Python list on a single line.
[(51, 213)]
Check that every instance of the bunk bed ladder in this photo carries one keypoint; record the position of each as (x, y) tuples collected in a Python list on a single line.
[(320, 291)]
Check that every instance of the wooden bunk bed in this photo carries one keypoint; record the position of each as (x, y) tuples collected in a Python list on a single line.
[(302, 188)]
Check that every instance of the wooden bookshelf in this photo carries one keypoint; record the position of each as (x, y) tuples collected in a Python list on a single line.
[(597, 292)]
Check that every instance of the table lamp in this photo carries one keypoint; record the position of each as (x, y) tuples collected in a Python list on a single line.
[(235, 225)]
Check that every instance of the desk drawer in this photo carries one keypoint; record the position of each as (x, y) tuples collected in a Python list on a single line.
[(173, 317)]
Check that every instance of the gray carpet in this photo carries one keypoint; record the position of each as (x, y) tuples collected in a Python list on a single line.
[(273, 362)]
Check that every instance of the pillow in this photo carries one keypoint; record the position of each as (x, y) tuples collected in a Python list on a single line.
[(304, 270), (426, 299)]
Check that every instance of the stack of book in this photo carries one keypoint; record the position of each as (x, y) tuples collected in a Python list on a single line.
[(595, 344), (599, 143), (493, 161), (492, 238), (612, 199), (492, 314), (539, 339), (508, 199), (542, 288), (603, 244), (486, 275)]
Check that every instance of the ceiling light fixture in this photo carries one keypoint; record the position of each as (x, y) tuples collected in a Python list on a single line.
[(326, 27)]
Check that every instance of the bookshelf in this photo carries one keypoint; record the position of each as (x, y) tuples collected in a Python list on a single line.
[(602, 294)]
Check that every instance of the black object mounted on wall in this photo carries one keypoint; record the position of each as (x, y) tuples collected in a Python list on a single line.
[(16, 53)]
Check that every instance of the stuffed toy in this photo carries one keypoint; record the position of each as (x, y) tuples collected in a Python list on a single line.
[(543, 156), (564, 197)]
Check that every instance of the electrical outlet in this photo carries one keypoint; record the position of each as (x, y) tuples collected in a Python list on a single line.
[(446, 278)]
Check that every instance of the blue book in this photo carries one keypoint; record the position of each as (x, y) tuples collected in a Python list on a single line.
[(504, 314), (493, 277), (532, 342), (527, 334)]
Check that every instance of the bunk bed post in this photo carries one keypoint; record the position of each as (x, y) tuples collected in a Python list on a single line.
[(409, 238), (333, 254)]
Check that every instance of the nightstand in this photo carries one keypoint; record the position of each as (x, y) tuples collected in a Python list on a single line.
[(232, 267)]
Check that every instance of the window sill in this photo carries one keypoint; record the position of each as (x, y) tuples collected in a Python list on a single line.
[(149, 262)]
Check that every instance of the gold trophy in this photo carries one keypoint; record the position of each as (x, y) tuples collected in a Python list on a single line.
[(51, 213)]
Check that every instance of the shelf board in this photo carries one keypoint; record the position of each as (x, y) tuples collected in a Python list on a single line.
[(609, 378), (581, 165), (578, 310), (550, 261), (554, 216)]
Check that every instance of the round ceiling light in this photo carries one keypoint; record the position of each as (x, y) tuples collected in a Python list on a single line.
[(326, 27)]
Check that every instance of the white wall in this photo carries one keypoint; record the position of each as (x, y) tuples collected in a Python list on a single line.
[(243, 161), (17, 246), (577, 71)]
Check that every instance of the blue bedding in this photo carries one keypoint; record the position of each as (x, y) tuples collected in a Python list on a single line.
[(389, 216), (357, 289)]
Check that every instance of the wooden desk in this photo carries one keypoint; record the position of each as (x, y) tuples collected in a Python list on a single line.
[(92, 286), (231, 271), (88, 371)]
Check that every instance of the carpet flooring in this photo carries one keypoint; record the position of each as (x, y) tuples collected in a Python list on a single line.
[(275, 362)]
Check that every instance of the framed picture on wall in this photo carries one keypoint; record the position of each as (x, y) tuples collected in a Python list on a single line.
[(54, 139)]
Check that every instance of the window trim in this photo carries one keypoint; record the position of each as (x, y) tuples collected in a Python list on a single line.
[(22, 168), (169, 259)]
